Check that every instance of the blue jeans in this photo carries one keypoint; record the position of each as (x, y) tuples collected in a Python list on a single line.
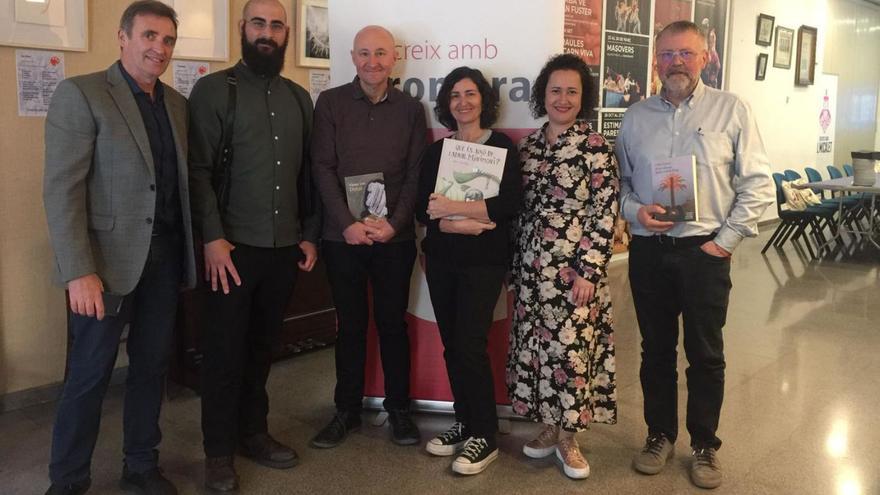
[(150, 310)]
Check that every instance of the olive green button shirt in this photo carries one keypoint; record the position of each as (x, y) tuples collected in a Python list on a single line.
[(268, 154)]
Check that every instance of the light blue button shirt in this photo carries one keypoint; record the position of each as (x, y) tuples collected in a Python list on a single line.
[(733, 173)]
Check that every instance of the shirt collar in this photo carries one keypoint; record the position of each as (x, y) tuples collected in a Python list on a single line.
[(358, 92), (135, 89), (692, 99)]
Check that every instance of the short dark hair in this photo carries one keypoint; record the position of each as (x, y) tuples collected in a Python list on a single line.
[(489, 110), (141, 7), (679, 27), (563, 61)]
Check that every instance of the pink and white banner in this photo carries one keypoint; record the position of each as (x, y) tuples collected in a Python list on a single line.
[(509, 43)]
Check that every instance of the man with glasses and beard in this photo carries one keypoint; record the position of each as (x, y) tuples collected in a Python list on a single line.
[(251, 204), (683, 268)]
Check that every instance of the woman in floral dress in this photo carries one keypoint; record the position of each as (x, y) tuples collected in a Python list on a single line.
[(561, 365)]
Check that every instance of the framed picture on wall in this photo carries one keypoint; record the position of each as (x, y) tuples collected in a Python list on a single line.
[(202, 32), (761, 68), (49, 24), (764, 32), (313, 34), (782, 51), (805, 69)]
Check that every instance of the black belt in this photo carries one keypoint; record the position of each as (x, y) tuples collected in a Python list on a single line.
[(678, 242)]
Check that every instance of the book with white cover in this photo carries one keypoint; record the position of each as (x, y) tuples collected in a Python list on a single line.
[(674, 186), (469, 171)]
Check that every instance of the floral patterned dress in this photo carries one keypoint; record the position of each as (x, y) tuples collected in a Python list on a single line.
[(561, 363)]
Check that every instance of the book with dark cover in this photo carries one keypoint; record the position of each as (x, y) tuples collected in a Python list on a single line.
[(365, 195), (674, 185)]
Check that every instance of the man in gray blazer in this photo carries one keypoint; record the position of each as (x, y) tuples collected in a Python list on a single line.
[(116, 199)]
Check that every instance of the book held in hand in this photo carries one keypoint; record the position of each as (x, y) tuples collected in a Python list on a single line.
[(674, 186), (469, 171), (365, 195)]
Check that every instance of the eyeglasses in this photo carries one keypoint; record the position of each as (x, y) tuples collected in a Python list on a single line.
[(261, 24), (667, 56)]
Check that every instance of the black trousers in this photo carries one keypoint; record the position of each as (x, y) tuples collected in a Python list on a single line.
[(150, 311), (464, 298), (240, 330), (667, 281), (387, 267)]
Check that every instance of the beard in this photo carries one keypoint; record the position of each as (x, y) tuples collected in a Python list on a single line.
[(268, 64), (679, 83)]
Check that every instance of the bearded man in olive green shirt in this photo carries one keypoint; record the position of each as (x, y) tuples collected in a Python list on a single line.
[(255, 235)]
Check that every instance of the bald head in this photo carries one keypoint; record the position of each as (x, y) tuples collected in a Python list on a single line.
[(373, 57), (245, 12), (373, 33)]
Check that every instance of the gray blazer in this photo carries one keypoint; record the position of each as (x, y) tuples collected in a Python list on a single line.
[(97, 182)]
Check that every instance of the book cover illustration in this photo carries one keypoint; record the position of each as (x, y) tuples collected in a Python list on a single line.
[(674, 185), (469, 171), (365, 195)]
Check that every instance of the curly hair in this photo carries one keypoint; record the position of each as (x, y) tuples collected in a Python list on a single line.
[(563, 61), (489, 110)]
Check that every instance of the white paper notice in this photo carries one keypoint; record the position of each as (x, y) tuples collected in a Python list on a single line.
[(38, 72), (319, 80), (186, 73)]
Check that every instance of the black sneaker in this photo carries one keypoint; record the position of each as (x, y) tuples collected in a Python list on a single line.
[(151, 482), (448, 442), (476, 456), (335, 432), (403, 430), (77, 488)]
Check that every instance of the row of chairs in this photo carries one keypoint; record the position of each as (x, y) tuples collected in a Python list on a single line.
[(811, 224)]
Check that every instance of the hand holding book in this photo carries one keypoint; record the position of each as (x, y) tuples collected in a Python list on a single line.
[(439, 206), (465, 226)]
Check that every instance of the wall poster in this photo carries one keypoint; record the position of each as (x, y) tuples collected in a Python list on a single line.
[(185, 73), (38, 73), (711, 16)]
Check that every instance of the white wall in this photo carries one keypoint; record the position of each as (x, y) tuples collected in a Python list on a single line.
[(786, 114), (853, 52)]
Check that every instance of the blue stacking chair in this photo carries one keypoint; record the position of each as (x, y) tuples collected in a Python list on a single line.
[(792, 224), (852, 206), (834, 173), (791, 175), (825, 214), (848, 170)]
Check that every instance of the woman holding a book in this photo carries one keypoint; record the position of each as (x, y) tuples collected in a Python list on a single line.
[(469, 190), (561, 364)]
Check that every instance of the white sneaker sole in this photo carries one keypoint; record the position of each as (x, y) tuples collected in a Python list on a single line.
[(538, 453), (467, 468), (575, 474), (441, 450)]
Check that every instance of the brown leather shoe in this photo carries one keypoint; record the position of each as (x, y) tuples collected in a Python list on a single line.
[(220, 474), (265, 450)]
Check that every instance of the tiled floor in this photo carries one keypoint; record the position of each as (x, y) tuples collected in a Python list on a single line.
[(800, 412)]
